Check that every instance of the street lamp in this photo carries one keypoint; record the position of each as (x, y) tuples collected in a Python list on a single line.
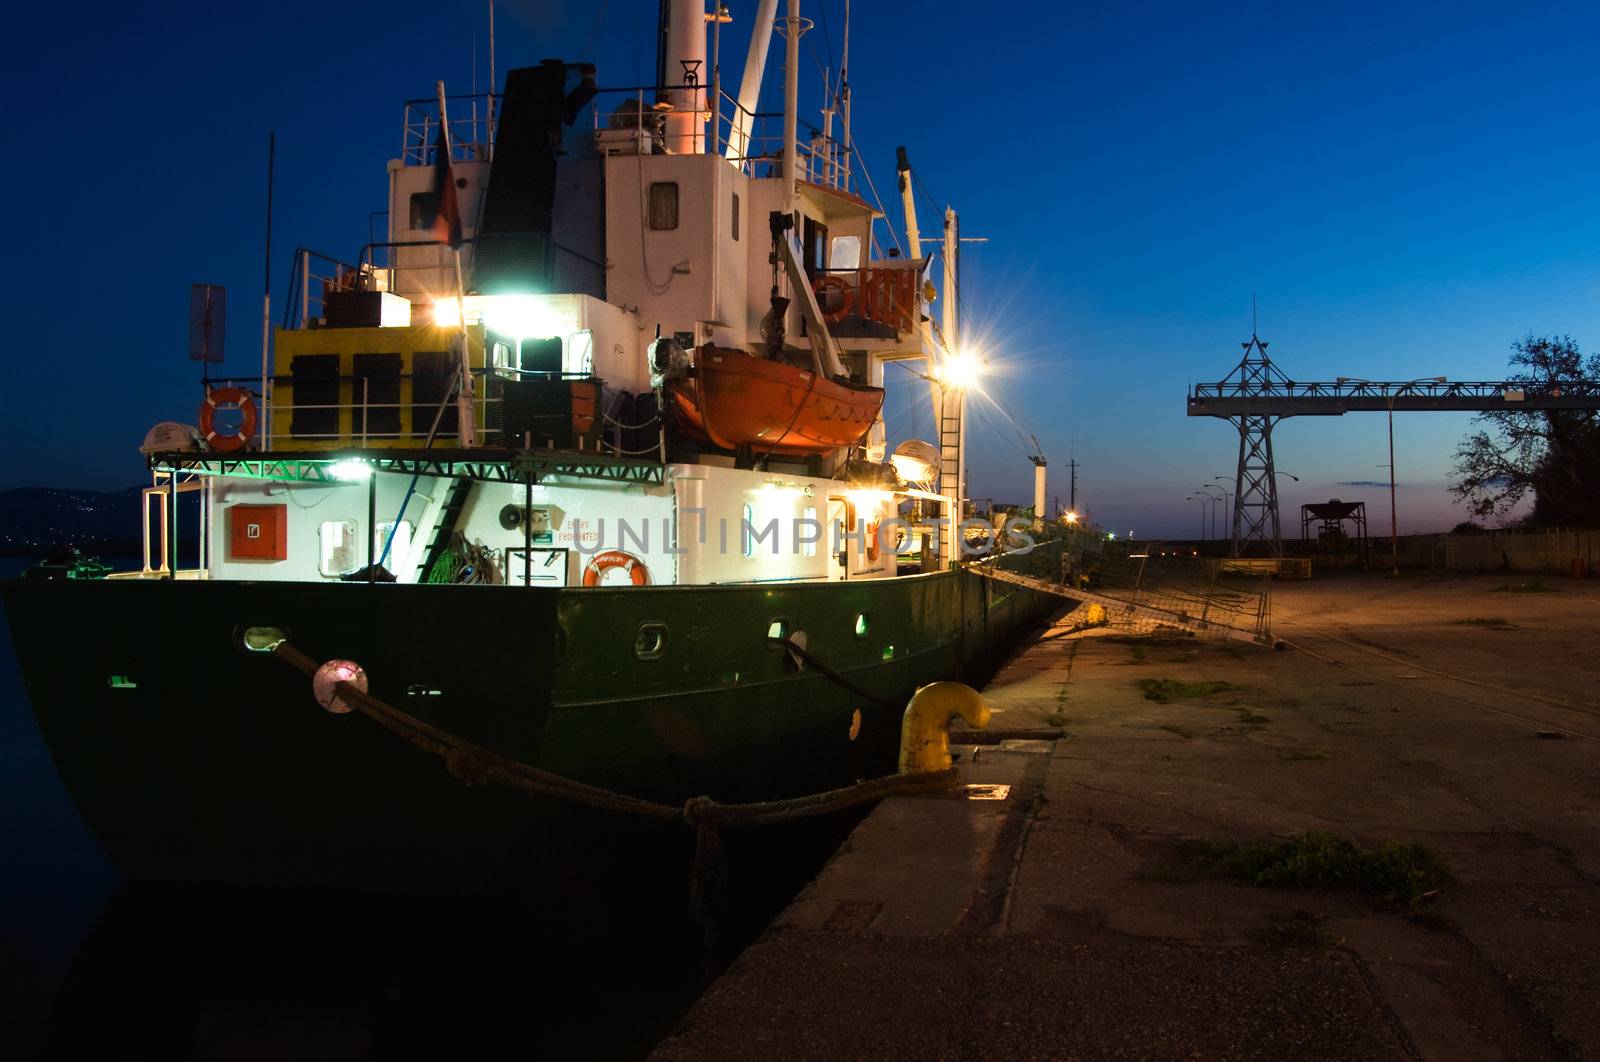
[(1202, 499), (1226, 494), (1216, 499), (1394, 520)]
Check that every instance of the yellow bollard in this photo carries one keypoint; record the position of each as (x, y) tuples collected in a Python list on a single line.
[(924, 733)]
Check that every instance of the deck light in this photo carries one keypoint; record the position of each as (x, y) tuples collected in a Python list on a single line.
[(523, 317), (447, 312), (961, 369), (351, 470)]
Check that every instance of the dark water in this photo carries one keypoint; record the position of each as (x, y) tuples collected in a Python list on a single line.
[(95, 967)]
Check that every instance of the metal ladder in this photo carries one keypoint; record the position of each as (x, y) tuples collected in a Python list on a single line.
[(454, 502)]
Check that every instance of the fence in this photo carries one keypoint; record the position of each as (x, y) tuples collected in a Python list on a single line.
[(1564, 550)]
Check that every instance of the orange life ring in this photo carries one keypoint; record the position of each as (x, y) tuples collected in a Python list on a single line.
[(227, 396), (847, 296), (616, 558)]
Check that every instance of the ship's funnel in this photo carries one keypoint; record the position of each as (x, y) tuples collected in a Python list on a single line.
[(686, 65)]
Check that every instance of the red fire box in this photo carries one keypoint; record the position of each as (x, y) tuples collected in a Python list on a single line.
[(258, 532)]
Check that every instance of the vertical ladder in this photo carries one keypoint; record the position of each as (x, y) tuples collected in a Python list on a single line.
[(455, 501), (950, 471)]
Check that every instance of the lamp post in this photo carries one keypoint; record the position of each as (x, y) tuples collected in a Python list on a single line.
[(1224, 484), (1216, 500), (1394, 519), (1202, 500)]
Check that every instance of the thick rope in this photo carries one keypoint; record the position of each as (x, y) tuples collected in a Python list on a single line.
[(473, 764), (788, 642)]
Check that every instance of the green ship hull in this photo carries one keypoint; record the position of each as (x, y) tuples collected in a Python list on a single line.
[(195, 760)]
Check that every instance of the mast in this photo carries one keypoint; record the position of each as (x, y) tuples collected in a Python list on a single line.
[(750, 81), (844, 99), (488, 151), (464, 397), (266, 294), (908, 203), (791, 100)]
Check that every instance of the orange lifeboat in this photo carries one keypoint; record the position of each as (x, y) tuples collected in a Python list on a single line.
[(733, 399)]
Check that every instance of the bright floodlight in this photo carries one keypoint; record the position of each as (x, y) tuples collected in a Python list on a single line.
[(447, 312), (961, 369), (1072, 518), (351, 470)]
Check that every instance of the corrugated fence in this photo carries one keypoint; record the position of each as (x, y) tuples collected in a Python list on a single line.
[(1555, 550)]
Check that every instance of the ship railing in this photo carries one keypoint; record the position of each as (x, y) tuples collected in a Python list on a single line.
[(473, 118), (637, 121), (886, 291), (312, 276), (160, 501), (416, 269), (356, 413)]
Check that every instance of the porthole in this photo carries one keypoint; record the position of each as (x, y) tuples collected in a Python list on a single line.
[(261, 639), (777, 631), (121, 682), (649, 641), (863, 625)]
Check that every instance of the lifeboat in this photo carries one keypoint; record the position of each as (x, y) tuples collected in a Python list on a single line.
[(732, 399)]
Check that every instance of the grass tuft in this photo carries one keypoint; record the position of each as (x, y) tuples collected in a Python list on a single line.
[(1247, 716), (1322, 859), (1535, 587), (1165, 691)]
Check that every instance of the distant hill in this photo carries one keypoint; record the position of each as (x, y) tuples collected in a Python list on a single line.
[(33, 520)]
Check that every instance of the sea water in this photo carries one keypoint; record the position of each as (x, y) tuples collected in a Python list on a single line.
[(94, 966)]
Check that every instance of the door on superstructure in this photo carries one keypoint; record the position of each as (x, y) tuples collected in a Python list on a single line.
[(837, 541)]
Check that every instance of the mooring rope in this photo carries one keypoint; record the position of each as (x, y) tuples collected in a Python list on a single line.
[(473, 764), (789, 643)]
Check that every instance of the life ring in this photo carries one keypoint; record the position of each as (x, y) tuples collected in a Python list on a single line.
[(616, 558), (227, 396), (847, 296)]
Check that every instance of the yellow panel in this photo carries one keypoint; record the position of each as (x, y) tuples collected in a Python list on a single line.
[(407, 342)]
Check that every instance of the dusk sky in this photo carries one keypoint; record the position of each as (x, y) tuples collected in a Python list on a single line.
[(1406, 188)]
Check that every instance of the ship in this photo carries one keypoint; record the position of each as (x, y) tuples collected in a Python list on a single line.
[(584, 463)]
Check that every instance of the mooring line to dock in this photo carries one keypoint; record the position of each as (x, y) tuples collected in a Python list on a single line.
[(472, 764), (1543, 723)]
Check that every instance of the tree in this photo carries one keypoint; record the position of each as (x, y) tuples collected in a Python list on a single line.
[(1554, 455)]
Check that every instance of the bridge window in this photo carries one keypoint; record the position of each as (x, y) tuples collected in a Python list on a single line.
[(846, 253), (735, 228), (663, 205)]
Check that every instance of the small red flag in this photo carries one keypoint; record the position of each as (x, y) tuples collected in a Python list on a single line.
[(446, 221)]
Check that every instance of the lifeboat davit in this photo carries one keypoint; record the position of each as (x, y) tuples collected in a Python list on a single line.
[(733, 399)]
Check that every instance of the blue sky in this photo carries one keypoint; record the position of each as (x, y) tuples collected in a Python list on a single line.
[(1406, 189)]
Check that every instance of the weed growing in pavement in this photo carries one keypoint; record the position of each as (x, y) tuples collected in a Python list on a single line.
[(1492, 622), (1321, 859), (1165, 691), (1247, 716), (1535, 587)]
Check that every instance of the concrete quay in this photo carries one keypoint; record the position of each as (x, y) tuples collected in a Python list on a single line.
[(1072, 920)]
